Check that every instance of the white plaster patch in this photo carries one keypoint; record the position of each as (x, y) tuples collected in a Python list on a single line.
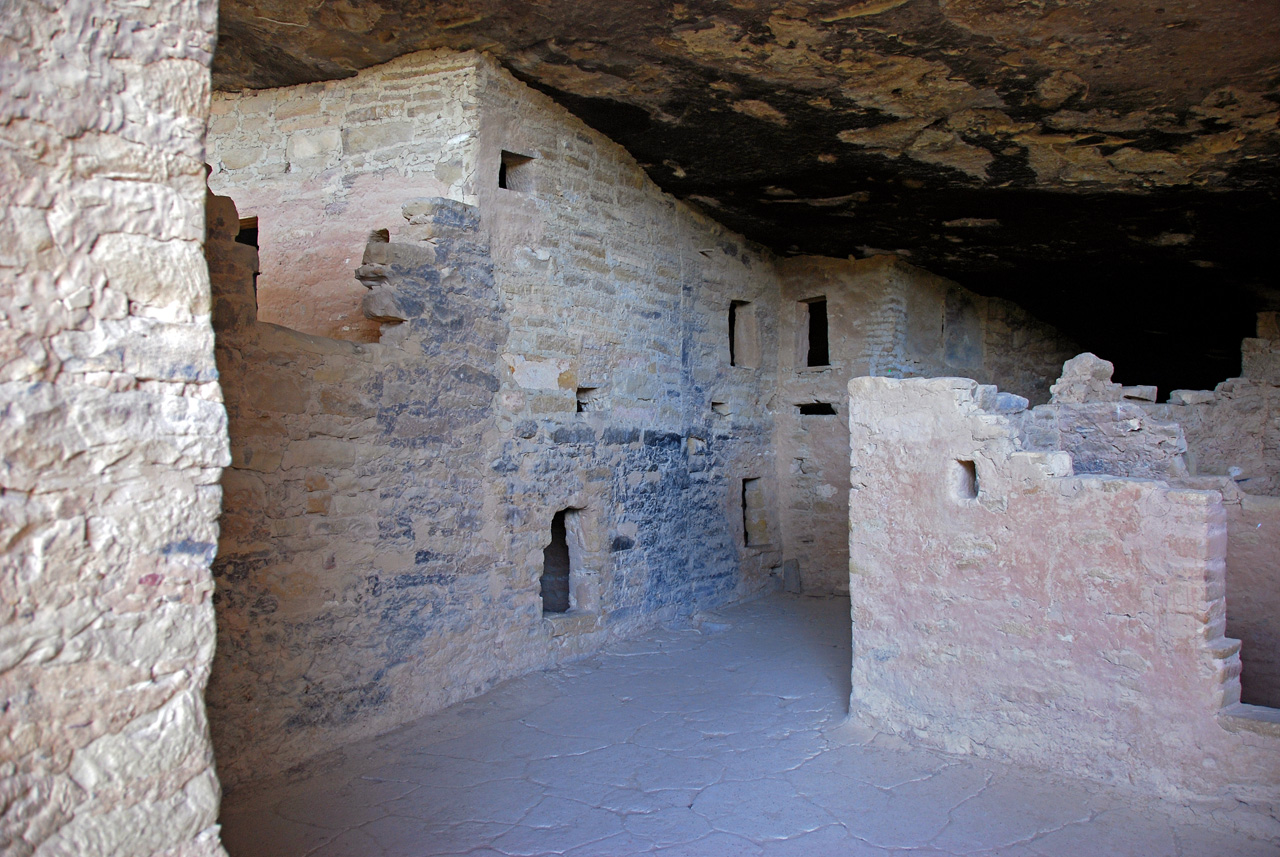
[(536, 374)]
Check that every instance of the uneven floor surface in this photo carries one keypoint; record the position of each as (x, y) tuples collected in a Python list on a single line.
[(727, 737)]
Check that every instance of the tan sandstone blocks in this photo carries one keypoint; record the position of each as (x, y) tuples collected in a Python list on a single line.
[(113, 435)]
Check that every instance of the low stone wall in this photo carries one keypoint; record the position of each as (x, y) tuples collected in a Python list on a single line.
[(1108, 431), (1253, 588), (1233, 429), (1004, 606)]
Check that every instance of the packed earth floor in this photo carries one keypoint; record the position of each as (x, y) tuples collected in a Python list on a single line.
[(727, 736)]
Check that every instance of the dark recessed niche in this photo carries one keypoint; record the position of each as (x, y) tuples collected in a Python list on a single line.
[(964, 479), (590, 399), (720, 408), (816, 409), (248, 233), (515, 172), (556, 566), (817, 351)]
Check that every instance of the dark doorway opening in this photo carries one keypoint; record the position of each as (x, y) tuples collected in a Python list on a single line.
[(555, 567)]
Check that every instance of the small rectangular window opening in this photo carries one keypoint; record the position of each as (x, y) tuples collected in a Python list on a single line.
[(817, 409), (590, 399), (818, 352), (556, 567), (755, 519), (515, 172), (964, 479), (248, 233)]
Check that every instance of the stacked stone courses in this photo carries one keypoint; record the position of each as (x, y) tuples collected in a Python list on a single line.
[(112, 433)]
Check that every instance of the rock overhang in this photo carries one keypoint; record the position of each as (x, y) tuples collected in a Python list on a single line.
[(1114, 168)]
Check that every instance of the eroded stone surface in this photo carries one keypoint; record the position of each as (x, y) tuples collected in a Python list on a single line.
[(112, 434), (772, 769)]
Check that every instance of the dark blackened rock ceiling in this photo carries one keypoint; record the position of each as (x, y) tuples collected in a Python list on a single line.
[(1113, 166)]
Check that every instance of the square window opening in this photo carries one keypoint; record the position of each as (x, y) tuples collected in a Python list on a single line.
[(816, 409), (248, 233), (515, 172), (590, 399)]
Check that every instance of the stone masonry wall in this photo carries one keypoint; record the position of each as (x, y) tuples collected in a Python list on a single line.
[(1103, 426), (316, 163), (1233, 444), (614, 287), (354, 563), (112, 434), (1234, 429), (558, 347), (1011, 608), (1253, 587), (885, 317)]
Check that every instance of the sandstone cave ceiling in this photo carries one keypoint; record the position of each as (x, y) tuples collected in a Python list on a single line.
[(1112, 166)]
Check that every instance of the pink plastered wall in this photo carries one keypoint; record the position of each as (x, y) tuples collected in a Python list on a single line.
[(1074, 623)]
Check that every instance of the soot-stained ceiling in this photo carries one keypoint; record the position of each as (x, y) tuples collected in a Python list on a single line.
[(1112, 166)]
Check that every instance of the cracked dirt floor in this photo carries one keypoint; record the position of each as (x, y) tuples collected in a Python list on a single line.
[(727, 737)]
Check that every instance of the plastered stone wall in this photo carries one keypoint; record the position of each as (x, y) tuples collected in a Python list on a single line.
[(314, 163), (1119, 431), (1253, 588), (1072, 622), (885, 317), (390, 502), (112, 433)]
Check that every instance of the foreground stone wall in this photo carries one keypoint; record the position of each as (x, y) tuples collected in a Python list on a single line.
[(318, 162), (558, 347), (1004, 606), (112, 434), (885, 317), (1119, 431)]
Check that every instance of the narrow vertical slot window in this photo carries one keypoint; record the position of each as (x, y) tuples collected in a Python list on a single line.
[(744, 337), (555, 567), (818, 352)]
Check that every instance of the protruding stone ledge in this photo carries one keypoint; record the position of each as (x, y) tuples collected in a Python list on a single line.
[(1242, 717), (571, 623)]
